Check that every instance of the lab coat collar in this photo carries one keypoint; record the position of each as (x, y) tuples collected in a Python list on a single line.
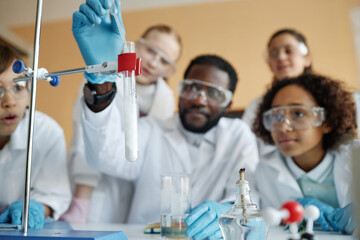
[(162, 91), (179, 142), (18, 139), (196, 139), (145, 97), (174, 124), (318, 174)]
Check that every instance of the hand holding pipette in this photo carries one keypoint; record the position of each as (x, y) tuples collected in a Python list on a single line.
[(98, 36), (101, 40)]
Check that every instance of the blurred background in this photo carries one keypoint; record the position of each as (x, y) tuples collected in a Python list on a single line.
[(237, 30)]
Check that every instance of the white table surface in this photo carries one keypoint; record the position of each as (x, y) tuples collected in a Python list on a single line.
[(135, 232)]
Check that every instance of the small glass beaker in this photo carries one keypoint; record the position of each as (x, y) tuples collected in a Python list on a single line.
[(175, 205)]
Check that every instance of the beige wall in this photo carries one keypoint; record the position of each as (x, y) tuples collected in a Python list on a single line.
[(236, 30)]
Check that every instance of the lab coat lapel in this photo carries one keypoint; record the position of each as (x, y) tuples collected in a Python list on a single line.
[(162, 92), (342, 177), (223, 141), (178, 143), (275, 161)]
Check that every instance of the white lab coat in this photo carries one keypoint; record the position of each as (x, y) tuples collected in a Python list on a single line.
[(276, 184), (49, 177), (249, 117), (163, 148), (163, 107), (251, 111)]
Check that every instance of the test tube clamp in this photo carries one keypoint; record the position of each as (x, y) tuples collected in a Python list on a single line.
[(124, 62)]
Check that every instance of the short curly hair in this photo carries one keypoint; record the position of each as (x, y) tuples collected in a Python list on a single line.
[(218, 62), (329, 94)]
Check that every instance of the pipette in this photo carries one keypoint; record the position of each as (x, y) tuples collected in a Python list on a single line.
[(130, 102), (113, 12)]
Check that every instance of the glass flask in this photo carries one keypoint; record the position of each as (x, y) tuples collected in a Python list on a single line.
[(244, 219)]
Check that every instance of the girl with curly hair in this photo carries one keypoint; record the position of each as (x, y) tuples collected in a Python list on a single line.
[(309, 119)]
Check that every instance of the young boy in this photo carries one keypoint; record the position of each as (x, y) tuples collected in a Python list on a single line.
[(50, 190)]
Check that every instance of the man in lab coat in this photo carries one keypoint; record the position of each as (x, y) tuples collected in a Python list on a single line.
[(198, 141)]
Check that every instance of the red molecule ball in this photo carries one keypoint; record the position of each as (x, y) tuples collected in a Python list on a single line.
[(296, 212)]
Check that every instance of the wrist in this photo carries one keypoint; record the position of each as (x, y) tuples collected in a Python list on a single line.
[(95, 79), (99, 96), (102, 89)]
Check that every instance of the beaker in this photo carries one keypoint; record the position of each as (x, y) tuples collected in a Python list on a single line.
[(175, 205)]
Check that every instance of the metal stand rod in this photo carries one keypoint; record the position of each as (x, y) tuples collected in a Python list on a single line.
[(25, 216), (52, 74)]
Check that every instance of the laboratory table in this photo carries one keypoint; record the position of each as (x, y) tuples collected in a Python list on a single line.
[(135, 232)]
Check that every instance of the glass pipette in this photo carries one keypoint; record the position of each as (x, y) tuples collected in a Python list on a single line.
[(113, 12), (130, 102)]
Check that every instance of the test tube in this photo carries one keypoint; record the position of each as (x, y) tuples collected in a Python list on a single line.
[(130, 113)]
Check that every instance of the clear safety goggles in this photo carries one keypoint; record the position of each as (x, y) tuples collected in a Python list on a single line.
[(17, 90), (151, 53), (289, 50), (297, 117), (214, 94)]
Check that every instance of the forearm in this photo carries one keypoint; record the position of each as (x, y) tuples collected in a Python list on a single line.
[(104, 140), (83, 191), (48, 211)]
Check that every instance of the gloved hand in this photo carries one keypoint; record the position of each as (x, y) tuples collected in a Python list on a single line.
[(203, 221), (97, 36), (78, 211), (343, 218), (260, 229), (323, 208), (14, 214)]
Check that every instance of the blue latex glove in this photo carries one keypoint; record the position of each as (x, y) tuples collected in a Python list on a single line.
[(203, 221), (343, 218), (323, 208), (260, 229), (14, 214), (97, 35)]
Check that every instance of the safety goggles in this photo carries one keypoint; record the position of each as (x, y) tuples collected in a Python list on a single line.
[(17, 90), (289, 50), (297, 117), (214, 94), (149, 52)]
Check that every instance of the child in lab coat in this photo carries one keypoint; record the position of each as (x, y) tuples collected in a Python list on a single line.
[(49, 190), (309, 119)]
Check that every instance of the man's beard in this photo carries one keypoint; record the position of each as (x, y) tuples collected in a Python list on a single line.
[(210, 123)]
